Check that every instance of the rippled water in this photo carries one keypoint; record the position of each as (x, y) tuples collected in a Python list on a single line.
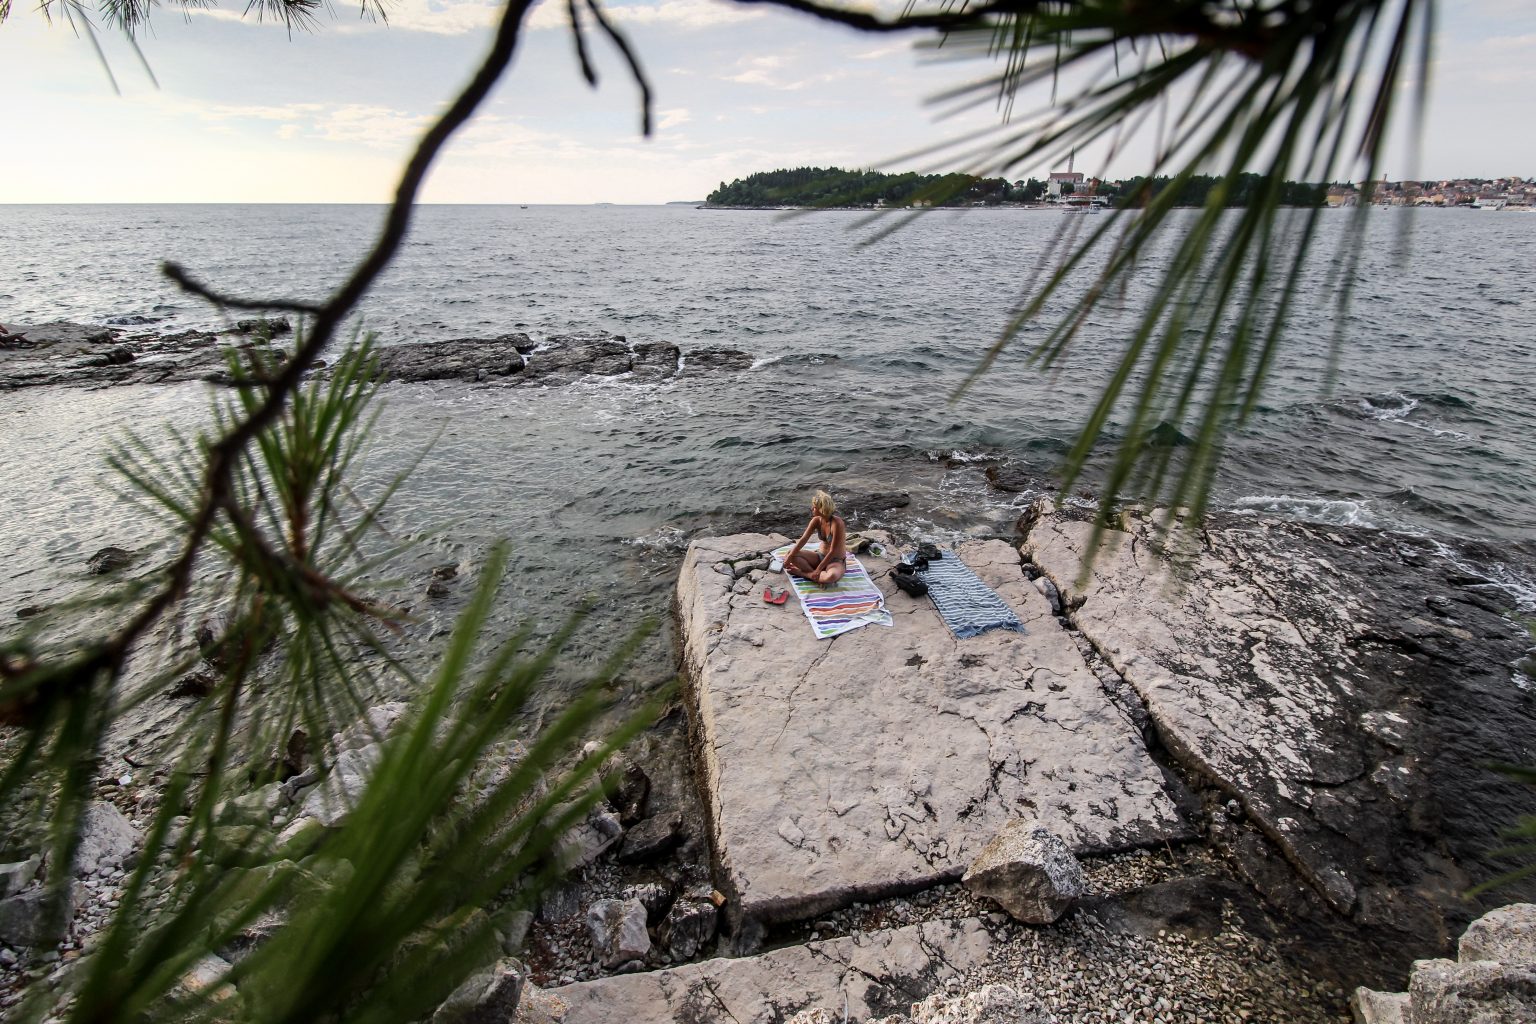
[(1427, 427)]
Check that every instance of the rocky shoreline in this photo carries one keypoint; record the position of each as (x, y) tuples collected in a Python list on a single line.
[(75, 355), (1270, 750)]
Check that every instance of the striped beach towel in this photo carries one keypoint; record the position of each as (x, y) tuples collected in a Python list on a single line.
[(968, 606), (854, 602)]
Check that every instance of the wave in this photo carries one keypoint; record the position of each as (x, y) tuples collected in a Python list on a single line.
[(796, 359), (1393, 405), (1331, 511)]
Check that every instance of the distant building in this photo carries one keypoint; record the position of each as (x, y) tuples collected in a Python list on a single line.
[(1057, 179), (1342, 195)]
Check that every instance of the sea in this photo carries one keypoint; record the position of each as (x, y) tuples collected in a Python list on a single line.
[(1413, 414)]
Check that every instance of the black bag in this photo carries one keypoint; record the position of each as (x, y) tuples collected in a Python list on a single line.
[(906, 579), (929, 552)]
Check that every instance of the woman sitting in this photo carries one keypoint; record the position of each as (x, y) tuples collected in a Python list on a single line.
[(827, 565)]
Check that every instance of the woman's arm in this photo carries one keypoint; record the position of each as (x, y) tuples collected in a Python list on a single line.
[(801, 542)]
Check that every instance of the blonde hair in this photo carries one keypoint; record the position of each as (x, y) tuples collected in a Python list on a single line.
[(822, 502)]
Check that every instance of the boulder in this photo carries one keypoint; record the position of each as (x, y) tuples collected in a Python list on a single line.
[(17, 876), (107, 839), (34, 918), (990, 1004), (269, 327), (489, 996), (652, 839), (689, 926), (375, 725), (618, 931), (559, 903), (653, 896), (1507, 935), (884, 759), (109, 560), (1372, 1007), (1193, 907), (342, 787), (630, 794), (706, 360), (588, 840), (205, 979), (1479, 992), (1029, 872)]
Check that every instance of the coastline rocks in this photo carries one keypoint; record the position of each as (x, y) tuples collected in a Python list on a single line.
[(17, 876), (588, 840), (331, 802), (689, 925), (107, 840), (1492, 980), (884, 759), (1028, 872), (652, 839), (1507, 934), (72, 354), (879, 973), (109, 560), (618, 929), (1302, 672), (485, 997), (1447, 992)]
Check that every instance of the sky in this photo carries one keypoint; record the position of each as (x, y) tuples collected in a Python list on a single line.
[(239, 111)]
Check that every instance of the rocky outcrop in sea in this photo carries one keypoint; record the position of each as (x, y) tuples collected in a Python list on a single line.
[(82, 356)]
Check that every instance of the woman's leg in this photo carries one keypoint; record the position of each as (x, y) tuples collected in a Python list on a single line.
[(802, 564), (832, 573)]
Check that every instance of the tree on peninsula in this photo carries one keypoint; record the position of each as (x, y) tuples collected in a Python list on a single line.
[(1281, 89)]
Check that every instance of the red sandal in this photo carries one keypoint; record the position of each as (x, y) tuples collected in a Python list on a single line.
[(773, 596)]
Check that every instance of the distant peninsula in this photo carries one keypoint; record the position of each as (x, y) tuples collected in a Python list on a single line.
[(836, 188)]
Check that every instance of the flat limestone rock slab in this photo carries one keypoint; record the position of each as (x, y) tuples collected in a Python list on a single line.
[(1348, 688), (884, 759), (880, 973)]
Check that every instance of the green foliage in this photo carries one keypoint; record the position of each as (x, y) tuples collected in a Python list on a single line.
[(835, 187), (1260, 95)]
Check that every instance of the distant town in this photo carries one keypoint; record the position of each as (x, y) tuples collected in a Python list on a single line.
[(1482, 193), (833, 187)]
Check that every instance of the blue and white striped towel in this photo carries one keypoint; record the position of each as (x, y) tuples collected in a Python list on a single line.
[(968, 606)]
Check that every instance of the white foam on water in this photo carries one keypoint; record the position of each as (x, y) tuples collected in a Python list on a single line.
[(1398, 407), (1520, 587), (665, 538), (1334, 511), (965, 457)]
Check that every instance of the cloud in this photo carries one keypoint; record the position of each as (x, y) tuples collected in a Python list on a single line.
[(882, 52), (445, 17), (681, 14), (672, 118)]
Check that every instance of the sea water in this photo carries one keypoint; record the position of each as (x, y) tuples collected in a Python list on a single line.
[(1421, 421)]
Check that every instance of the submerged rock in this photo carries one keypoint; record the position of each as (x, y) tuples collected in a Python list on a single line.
[(71, 354), (109, 560)]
